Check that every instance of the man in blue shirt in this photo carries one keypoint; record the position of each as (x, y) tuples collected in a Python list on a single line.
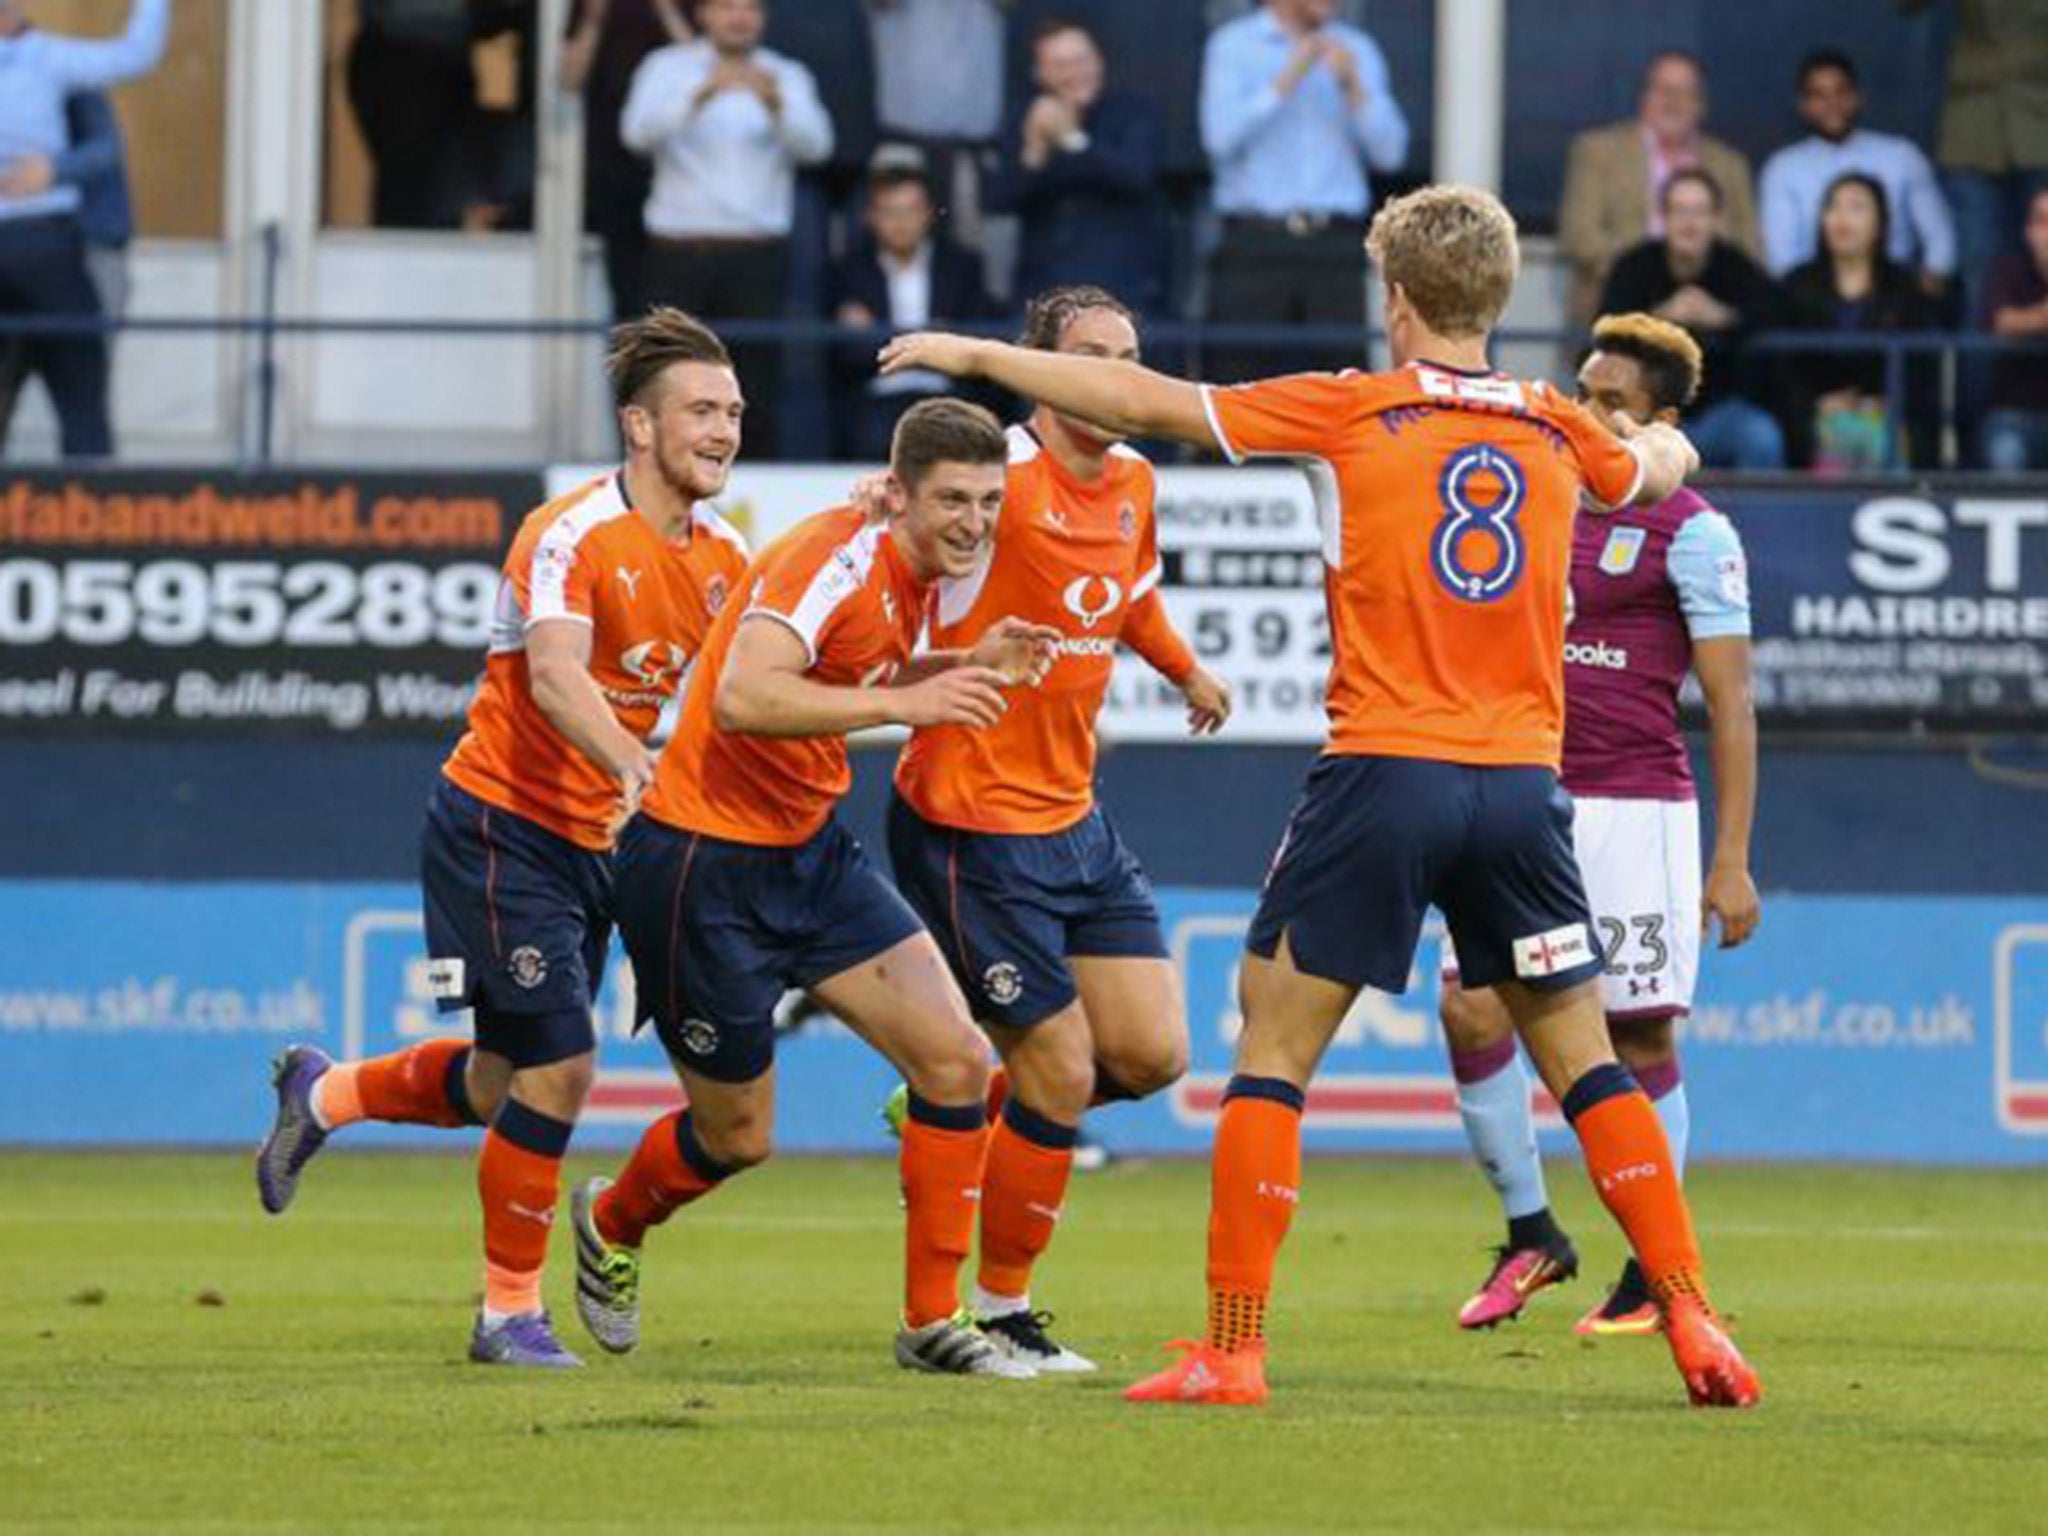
[(1295, 107), (1796, 179), (42, 244), (94, 165)]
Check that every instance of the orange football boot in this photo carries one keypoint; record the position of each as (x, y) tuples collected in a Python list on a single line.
[(1208, 1376), (1716, 1375)]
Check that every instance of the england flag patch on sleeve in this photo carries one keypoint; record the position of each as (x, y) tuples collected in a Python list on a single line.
[(1545, 954)]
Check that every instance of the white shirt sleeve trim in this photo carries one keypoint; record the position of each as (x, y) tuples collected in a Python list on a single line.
[(1216, 424)]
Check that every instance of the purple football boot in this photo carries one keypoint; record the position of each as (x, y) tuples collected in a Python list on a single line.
[(294, 1135), (525, 1338)]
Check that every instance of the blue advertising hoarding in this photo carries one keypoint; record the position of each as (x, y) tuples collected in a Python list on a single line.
[(1851, 1027)]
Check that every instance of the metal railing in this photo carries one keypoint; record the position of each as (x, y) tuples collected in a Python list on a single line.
[(1178, 345)]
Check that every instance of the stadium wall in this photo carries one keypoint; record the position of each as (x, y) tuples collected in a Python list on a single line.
[(179, 895)]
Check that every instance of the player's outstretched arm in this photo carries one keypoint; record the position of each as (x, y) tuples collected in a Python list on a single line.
[(1666, 454), (1123, 397), (558, 676), (1730, 893), (766, 690)]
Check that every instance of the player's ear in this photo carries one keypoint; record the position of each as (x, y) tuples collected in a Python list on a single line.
[(638, 427)]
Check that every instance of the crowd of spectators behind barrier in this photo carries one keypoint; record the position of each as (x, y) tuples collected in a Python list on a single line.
[(715, 178)]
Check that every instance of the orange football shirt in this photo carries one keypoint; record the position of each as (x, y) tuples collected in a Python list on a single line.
[(1446, 501), (1079, 556), (589, 558), (839, 581)]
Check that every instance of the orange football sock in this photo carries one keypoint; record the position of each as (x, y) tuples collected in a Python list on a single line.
[(1030, 1158), (420, 1085), (944, 1147), (518, 1178), (1255, 1184), (1629, 1160), (668, 1170)]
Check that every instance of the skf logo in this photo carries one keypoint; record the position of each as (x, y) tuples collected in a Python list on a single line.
[(656, 663), (1091, 598)]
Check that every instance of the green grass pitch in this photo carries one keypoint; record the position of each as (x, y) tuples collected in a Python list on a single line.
[(1897, 1317)]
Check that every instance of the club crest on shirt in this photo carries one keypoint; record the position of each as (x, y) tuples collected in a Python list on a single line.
[(1624, 547), (716, 590), (1127, 522)]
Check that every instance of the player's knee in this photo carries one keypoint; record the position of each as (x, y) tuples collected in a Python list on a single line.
[(560, 1088), (1147, 1067), (1643, 1043), (484, 1087), (1472, 1021), (741, 1138), (954, 1074)]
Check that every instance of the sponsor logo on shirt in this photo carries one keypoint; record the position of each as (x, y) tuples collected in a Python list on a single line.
[(1599, 653), (1092, 598)]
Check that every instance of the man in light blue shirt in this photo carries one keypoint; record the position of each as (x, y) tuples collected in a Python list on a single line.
[(1796, 178), (42, 246), (1297, 110)]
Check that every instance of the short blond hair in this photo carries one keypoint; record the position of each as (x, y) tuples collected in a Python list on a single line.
[(1453, 251), (1670, 360)]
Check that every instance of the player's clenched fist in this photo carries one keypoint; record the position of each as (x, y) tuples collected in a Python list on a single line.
[(1021, 651), (953, 355), (967, 695)]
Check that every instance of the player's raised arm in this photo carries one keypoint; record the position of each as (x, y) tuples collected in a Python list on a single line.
[(765, 690), (1126, 398)]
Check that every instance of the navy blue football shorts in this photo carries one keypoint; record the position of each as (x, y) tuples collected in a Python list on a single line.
[(1008, 909), (518, 925), (1375, 841), (717, 931)]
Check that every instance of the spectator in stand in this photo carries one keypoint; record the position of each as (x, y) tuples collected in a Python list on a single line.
[(1297, 110), (43, 261), (93, 164), (607, 39), (1994, 131), (909, 277), (1615, 176), (2014, 434), (1838, 407), (939, 67), (413, 87), (1081, 167), (1797, 179), (728, 123), (1695, 278)]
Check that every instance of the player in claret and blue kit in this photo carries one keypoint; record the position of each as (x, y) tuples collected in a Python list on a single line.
[(1657, 592)]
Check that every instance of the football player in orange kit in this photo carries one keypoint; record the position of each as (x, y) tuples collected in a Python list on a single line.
[(1447, 494), (997, 840), (736, 882), (608, 593)]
